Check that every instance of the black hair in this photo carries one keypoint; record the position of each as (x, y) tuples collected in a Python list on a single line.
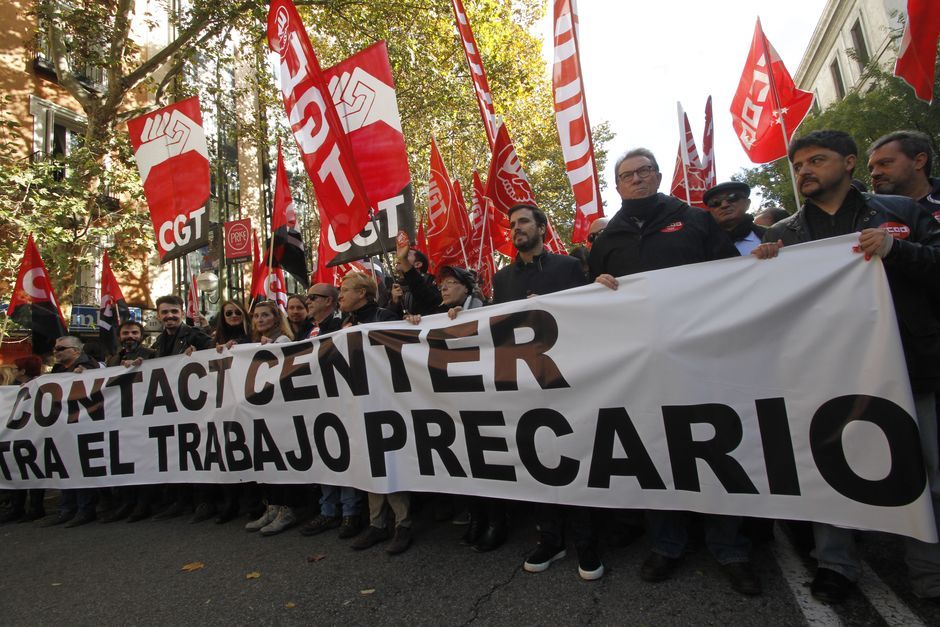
[(838, 141), (911, 143), (540, 218)]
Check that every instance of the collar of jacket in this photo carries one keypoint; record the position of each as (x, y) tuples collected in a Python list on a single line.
[(537, 259)]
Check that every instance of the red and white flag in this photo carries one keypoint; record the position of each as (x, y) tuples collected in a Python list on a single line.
[(480, 85), (192, 300), (480, 249), (324, 272), (767, 102), (571, 118), (708, 147), (917, 60), (463, 215), (506, 183), (173, 159), (445, 228), (553, 243), (112, 310), (316, 125), (688, 179), (266, 283), (33, 304), (499, 222)]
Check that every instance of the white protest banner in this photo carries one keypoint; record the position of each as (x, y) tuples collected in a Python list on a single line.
[(771, 388)]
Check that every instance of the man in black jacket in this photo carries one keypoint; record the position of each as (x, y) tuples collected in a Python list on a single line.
[(322, 303), (908, 241), (653, 231), (728, 203), (899, 163)]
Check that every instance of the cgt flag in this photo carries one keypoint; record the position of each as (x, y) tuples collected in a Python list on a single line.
[(689, 179), (316, 125), (446, 232), (112, 308), (170, 149), (506, 183), (33, 304), (480, 250), (288, 246), (767, 107), (571, 118), (917, 61), (266, 283)]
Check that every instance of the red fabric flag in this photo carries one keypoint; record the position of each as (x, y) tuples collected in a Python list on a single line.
[(708, 147), (316, 125), (288, 252), (506, 184), (553, 243), (324, 273), (462, 213), (571, 119), (688, 167), (480, 249), (917, 60), (33, 304), (267, 284), (445, 232), (112, 309), (173, 159), (766, 102), (499, 222), (480, 85)]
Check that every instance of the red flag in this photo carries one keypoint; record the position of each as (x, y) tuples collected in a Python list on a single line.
[(571, 118), (324, 273), (445, 231), (112, 309), (170, 149), (480, 85), (499, 222), (192, 300), (480, 249), (688, 167), (708, 147), (421, 240), (316, 125), (462, 213), (33, 304), (506, 184), (553, 243), (765, 92), (267, 284), (288, 251), (917, 60)]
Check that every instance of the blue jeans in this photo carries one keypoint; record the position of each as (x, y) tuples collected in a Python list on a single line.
[(78, 500), (332, 497), (669, 533)]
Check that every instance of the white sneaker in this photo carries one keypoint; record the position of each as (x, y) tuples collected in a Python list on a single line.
[(285, 520), (266, 519)]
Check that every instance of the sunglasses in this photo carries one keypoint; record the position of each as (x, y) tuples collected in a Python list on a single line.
[(59, 349), (731, 198), (231, 313)]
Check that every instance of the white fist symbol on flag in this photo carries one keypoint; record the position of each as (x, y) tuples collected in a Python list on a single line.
[(361, 100), (168, 135)]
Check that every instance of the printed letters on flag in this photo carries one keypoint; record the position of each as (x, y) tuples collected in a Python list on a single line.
[(445, 228), (113, 308), (500, 239), (917, 60), (480, 85), (571, 118), (288, 252), (33, 304), (688, 167), (363, 91), (170, 149), (506, 184), (316, 125), (766, 96)]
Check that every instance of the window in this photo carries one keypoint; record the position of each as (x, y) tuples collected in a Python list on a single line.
[(861, 50), (837, 79), (57, 131)]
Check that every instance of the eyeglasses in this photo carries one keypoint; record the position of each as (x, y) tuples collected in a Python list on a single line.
[(714, 203), (231, 313), (640, 173), (593, 236), (447, 283), (59, 349)]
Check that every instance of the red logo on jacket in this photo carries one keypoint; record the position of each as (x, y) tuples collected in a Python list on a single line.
[(896, 229), (672, 228)]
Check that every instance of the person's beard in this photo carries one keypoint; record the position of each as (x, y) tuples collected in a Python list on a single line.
[(130, 345)]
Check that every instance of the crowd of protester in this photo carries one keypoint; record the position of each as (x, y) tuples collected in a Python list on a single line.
[(640, 237)]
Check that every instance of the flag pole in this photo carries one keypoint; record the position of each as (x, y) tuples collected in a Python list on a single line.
[(683, 153), (776, 97)]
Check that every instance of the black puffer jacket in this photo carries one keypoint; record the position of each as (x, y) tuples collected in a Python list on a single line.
[(913, 269), (676, 235)]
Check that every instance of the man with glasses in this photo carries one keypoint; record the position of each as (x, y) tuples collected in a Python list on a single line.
[(77, 506), (322, 309), (728, 203), (597, 227), (653, 231)]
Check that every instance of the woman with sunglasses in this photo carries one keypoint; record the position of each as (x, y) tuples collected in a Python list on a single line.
[(297, 316), (231, 326)]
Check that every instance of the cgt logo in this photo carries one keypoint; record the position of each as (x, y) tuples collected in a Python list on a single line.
[(282, 20), (181, 230), (672, 228), (896, 229)]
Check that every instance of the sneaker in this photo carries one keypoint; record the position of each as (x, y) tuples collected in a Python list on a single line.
[(742, 578), (590, 567), (266, 519), (657, 568), (350, 527), (320, 524), (831, 587), (369, 537), (400, 542), (285, 520), (542, 557)]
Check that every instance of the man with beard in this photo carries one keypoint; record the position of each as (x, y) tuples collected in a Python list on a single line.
[(907, 239), (653, 231), (899, 164), (132, 353), (728, 203)]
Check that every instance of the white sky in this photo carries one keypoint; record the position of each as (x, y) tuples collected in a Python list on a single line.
[(639, 58)]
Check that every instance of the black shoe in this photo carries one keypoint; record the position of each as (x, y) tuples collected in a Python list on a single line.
[(542, 557), (590, 567), (625, 536), (82, 518), (492, 538), (443, 509), (140, 513), (350, 527), (118, 514), (175, 510), (473, 533), (369, 537), (34, 514), (742, 578), (319, 524), (12, 515), (60, 519), (657, 567), (830, 587), (204, 511), (228, 512), (400, 542)]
